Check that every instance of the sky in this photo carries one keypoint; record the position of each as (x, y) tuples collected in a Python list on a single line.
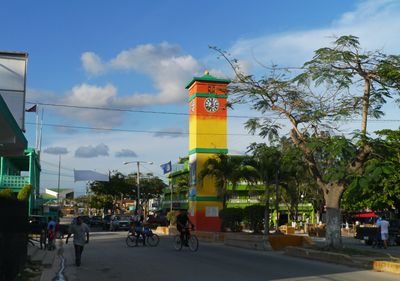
[(137, 56)]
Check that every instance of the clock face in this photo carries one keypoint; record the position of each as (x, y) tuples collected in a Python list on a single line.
[(211, 104)]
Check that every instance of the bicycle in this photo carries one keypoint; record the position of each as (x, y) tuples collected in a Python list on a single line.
[(152, 239), (190, 240)]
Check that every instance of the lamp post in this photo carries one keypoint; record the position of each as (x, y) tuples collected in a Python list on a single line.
[(138, 178)]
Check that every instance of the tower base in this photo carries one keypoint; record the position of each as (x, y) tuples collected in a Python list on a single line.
[(205, 215)]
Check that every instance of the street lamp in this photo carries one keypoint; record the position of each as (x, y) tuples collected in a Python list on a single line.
[(138, 178)]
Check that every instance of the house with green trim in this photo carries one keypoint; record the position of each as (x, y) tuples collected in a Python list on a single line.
[(19, 171), (19, 165)]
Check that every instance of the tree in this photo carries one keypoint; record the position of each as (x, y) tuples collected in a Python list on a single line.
[(117, 185), (313, 102), (378, 187), (225, 169), (121, 186), (265, 161), (297, 184), (151, 187)]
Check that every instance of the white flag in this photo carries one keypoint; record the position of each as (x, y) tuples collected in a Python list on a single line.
[(88, 175)]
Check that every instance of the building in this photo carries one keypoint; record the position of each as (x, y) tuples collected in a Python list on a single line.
[(19, 165)]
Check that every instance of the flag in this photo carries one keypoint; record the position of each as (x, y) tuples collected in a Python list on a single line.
[(87, 175), (167, 167), (32, 109)]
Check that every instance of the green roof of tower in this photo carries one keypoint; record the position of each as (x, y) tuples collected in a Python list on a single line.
[(207, 78)]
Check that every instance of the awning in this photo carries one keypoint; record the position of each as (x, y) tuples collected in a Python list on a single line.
[(366, 215)]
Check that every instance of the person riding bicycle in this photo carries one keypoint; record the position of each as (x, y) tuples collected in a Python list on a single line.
[(182, 223), (138, 226)]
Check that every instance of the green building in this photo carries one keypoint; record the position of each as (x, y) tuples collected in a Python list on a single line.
[(19, 171)]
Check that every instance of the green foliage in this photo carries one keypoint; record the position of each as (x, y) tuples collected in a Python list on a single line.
[(254, 217), (6, 193), (24, 193), (180, 183), (171, 217), (119, 184), (231, 218), (225, 169), (378, 187)]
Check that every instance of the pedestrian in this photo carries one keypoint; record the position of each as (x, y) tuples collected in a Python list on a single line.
[(51, 235), (78, 230), (384, 224), (51, 222)]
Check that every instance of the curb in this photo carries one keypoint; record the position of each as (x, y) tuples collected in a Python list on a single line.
[(386, 266), (325, 256)]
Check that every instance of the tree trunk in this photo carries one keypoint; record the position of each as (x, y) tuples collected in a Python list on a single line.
[(266, 211), (332, 194), (365, 105)]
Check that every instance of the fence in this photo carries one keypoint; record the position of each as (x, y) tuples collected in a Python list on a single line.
[(13, 237)]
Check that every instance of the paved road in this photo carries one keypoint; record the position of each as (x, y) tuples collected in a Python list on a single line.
[(108, 258)]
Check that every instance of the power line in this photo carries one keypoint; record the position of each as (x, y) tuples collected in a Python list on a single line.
[(182, 113), (55, 173), (127, 110), (56, 165), (127, 130)]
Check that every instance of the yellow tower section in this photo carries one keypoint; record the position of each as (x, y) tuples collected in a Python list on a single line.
[(207, 137)]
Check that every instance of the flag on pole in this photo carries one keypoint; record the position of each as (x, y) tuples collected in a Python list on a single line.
[(32, 108), (87, 175), (167, 167)]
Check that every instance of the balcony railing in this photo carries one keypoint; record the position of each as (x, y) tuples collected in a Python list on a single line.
[(13, 182), (236, 200)]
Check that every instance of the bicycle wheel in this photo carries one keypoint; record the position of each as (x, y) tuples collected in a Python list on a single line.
[(177, 243), (153, 240), (193, 243), (130, 241)]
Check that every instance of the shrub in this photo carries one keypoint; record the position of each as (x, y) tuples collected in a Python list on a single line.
[(231, 218), (6, 193), (254, 216), (24, 193)]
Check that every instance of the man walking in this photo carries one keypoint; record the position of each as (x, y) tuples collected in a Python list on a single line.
[(384, 224), (78, 229)]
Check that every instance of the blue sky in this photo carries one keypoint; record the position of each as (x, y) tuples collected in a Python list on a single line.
[(138, 55)]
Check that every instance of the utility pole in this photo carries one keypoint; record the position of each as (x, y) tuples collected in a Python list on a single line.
[(277, 194), (58, 182)]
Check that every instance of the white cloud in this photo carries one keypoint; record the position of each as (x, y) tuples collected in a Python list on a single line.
[(376, 23), (126, 153), (171, 133), (92, 151), (92, 96), (56, 150), (164, 63), (92, 63)]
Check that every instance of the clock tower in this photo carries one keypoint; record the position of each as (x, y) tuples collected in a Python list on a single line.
[(207, 137)]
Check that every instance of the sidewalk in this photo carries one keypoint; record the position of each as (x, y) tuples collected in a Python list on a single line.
[(354, 252), (45, 259)]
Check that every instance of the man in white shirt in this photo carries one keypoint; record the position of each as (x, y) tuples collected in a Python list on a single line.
[(384, 224), (79, 229)]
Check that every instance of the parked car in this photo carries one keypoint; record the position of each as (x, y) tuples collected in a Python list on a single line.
[(96, 221), (106, 222), (85, 219), (120, 223)]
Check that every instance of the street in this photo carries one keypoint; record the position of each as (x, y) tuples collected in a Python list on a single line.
[(107, 257)]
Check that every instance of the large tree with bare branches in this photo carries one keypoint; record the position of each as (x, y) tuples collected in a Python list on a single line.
[(314, 102)]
